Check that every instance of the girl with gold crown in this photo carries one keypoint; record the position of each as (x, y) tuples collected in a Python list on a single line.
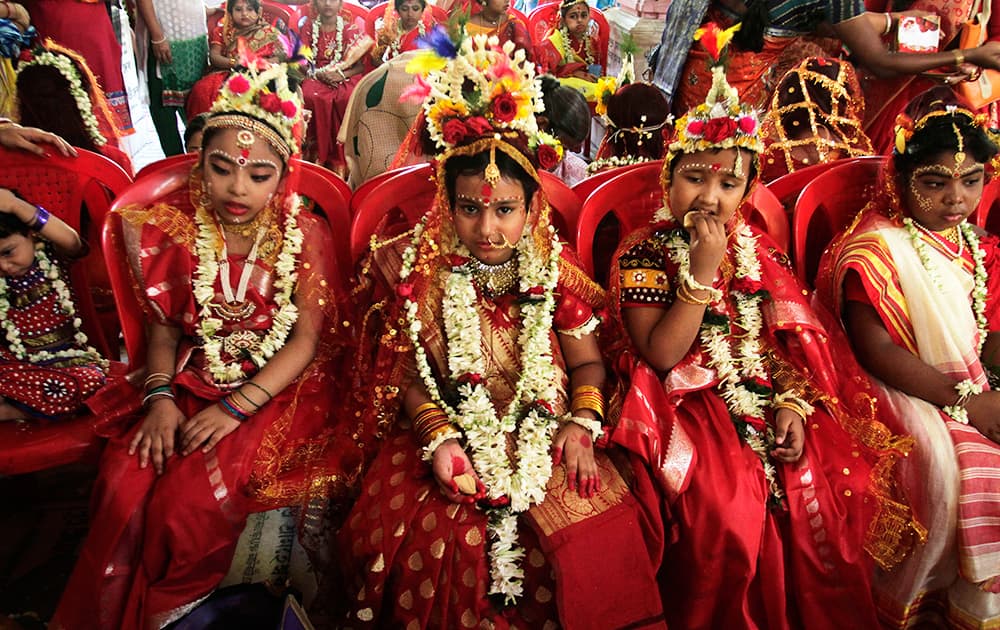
[(757, 423), (488, 502), (916, 286), (235, 278)]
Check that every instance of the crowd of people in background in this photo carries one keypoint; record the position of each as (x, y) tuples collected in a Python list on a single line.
[(472, 429)]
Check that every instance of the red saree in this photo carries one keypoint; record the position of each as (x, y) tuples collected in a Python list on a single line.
[(415, 559), (739, 559), (328, 103), (159, 544)]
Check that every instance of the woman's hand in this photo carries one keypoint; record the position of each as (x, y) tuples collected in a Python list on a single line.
[(985, 56), (789, 436), (155, 438), (573, 444), (984, 414), (449, 462), (162, 52), (14, 136), (206, 429), (708, 244)]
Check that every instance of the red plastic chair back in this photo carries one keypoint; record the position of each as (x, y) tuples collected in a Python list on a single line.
[(63, 186), (630, 198), (356, 11), (401, 199), (540, 20), (374, 182), (987, 216), (564, 205), (769, 216), (825, 206), (584, 187), (281, 16), (787, 187), (165, 163), (331, 196)]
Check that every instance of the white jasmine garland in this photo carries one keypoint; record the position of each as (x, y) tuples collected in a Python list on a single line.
[(65, 66), (979, 292), (719, 341), (966, 389), (338, 51), (529, 412), (13, 335), (208, 246)]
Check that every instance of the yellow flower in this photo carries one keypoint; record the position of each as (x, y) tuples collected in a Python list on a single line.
[(445, 109), (605, 88)]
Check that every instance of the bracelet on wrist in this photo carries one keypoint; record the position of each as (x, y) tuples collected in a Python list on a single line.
[(157, 376), (438, 438), (959, 56), (687, 282), (588, 397), (593, 427), (966, 390), (232, 410), (791, 400), (888, 23), (40, 219), (157, 42)]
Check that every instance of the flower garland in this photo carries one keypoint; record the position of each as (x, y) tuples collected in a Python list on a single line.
[(338, 51), (69, 72), (65, 298), (530, 412), (743, 379), (568, 54), (615, 161), (979, 292), (395, 45), (206, 273)]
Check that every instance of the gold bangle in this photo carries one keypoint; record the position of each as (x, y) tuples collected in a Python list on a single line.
[(433, 435), (684, 295), (959, 56), (424, 407)]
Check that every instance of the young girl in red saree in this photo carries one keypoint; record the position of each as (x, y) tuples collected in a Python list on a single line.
[(235, 279), (750, 410), (243, 22), (488, 503), (404, 23), (917, 287), (340, 45), (570, 50)]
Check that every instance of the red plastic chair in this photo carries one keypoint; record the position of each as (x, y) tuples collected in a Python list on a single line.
[(323, 187), (540, 20), (987, 216), (586, 186), (769, 216), (377, 13), (825, 207), (401, 199), (371, 184), (64, 186), (631, 198), (564, 204), (787, 187), (165, 163)]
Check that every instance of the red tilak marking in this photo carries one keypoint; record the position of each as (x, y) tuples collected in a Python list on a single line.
[(585, 440), (457, 466)]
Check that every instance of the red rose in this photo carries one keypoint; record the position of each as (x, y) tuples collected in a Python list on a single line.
[(288, 108), (478, 126), (748, 286), (696, 128), (504, 108), (457, 261), (271, 103), (404, 289), (536, 290), (757, 423), (453, 130), (718, 129), (471, 378), (747, 124), (239, 84), (548, 157)]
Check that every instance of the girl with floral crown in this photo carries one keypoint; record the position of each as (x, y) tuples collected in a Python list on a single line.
[(488, 502), (236, 280), (47, 367), (916, 287), (570, 48), (339, 45), (241, 32), (758, 425)]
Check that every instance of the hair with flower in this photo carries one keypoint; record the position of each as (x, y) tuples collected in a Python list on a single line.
[(259, 92), (475, 89), (83, 85)]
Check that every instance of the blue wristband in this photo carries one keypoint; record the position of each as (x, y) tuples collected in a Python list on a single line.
[(40, 219)]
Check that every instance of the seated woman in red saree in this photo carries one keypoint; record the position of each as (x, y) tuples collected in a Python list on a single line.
[(757, 423), (404, 22), (488, 503), (239, 416), (243, 22), (340, 46), (569, 50), (47, 367), (917, 288)]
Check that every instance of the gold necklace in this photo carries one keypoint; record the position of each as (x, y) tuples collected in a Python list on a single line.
[(249, 228), (494, 280)]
